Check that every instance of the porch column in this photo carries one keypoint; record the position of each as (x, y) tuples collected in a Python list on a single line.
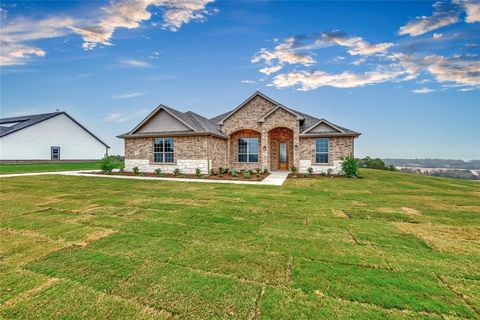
[(265, 150), (296, 148)]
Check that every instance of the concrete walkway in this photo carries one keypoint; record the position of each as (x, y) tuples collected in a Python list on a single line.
[(276, 178)]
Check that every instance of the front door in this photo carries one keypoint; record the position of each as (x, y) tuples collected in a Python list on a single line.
[(282, 157)]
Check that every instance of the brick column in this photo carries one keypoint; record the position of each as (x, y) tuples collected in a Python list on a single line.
[(296, 148), (265, 150)]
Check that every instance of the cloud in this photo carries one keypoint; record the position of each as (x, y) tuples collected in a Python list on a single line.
[(135, 63), (443, 15), (308, 80), (437, 36), (461, 70), (115, 117), (129, 95), (129, 14), (357, 45), (248, 81), (270, 70), (14, 51), (472, 9), (423, 90)]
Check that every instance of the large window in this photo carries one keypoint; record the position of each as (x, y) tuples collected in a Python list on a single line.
[(321, 150), (248, 150), (163, 150)]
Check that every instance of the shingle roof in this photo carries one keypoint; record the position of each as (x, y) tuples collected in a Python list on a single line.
[(22, 122), (202, 125)]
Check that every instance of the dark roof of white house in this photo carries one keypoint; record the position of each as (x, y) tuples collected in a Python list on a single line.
[(14, 124), (202, 125)]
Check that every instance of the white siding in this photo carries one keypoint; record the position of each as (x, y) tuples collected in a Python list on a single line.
[(34, 142), (322, 127)]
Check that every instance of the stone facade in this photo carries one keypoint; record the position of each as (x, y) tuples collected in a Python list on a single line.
[(338, 147)]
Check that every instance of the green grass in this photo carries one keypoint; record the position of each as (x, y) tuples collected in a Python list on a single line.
[(45, 167), (389, 246)]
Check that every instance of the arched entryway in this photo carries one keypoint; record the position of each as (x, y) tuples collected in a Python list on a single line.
[(281, 148)]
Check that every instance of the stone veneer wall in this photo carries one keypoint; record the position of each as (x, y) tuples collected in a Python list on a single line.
[(191, 152), (338, 147)]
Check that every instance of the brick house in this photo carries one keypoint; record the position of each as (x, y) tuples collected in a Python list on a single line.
[(259, 133)]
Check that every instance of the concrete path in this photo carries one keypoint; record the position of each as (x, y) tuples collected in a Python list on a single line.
[(276, 178)]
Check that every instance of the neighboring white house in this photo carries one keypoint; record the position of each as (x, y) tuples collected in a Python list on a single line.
[(48, 136)]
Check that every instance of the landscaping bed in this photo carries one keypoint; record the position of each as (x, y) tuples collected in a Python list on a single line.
[(226, 176)]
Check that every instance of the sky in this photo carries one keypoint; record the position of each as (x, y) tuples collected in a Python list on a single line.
[(405, 74)]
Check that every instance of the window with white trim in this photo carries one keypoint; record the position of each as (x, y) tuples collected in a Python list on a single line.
[(163, 150), (248, 150), (321, 150)]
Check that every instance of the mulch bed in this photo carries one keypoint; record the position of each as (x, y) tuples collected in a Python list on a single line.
[(240, 177)]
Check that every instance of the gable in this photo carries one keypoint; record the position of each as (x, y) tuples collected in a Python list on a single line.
[(162, 121), (255, 106), (323, 128)]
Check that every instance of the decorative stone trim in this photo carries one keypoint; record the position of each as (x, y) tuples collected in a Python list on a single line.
[(335, 167), (185, 166)]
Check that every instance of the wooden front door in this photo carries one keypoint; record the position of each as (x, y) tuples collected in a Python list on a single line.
[(282, 156)]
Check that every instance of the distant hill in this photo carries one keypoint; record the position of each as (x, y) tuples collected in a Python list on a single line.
[(434, 163)]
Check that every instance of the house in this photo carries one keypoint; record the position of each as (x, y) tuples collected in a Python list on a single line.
[(259, 133), (49, 136)]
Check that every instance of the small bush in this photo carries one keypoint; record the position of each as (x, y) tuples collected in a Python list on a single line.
[(257, 174), (294, 170), (265, 171), (198, 172), (212, 172), (306, 174), (176, 172), (108, 164), (246, 174), (234, 173), (330, 172), (310, 170), (350, 166), (258, 170), (158, 172), (221, 170), (135, 170)]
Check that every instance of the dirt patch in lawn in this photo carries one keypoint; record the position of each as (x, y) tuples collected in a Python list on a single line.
[(445, 238), (95, 236), (239, 177), (411, 211), (340, 213)]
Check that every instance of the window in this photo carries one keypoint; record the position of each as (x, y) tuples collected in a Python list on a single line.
[(248, 150), (55, 153), (321, 150), (163, 150)]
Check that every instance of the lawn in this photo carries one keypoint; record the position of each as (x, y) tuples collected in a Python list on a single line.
[(389, 246), (44, 167)]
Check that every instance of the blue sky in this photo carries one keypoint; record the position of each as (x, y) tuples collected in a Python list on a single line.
[(405, 74)]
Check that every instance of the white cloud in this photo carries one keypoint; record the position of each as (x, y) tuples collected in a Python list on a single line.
[(459, 70), (423, 90), (437, 36), (129, 95), (12, 53), (357, 45), (308, 80), (115, 117), (248, 81), (13, 50), (135, 63), (472, 9), (443, 15), (270, 70), (129, 14)]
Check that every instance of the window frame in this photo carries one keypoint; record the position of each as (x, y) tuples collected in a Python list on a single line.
[(163, 152), (319, 153), (51, 152), (248, 153)]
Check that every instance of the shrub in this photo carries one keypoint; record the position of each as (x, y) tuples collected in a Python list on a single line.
[(330, 172), (158, 172), (265, 171), (108, 164), (306, 174), (212, 172), (257, 174), (246, 174), (294, 170), (198, 172), (221, 170), (135, 170), (176, 171), (310, 170), (258, 170), (350, 166), (234, 173)]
